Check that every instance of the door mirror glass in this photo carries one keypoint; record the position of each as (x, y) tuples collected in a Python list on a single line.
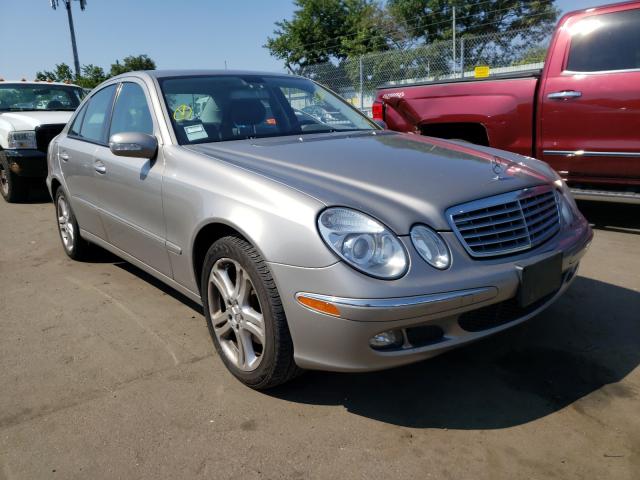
[(133, 144)]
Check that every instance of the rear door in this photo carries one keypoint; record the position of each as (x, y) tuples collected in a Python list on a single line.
[(590, 104), (77, 152), (128, 191)]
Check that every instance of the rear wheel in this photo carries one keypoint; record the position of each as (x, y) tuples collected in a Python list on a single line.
[(74, 246), (12, 187), (245, 315)]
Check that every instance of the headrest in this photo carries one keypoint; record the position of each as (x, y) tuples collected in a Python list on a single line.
[(247, 111), (210, 112)]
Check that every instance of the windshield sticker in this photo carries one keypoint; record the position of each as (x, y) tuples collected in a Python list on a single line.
[(183, 112), (195, 132)]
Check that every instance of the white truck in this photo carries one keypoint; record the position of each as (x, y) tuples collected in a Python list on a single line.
[(31, 115)]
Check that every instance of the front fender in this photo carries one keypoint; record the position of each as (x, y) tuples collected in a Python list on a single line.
[(277, 219)]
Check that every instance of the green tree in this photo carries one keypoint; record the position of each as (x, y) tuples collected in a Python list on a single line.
[(132, 64), (92, 76), (323, 30), (426, 21), (61, 73), (532, 55), (334, 30)]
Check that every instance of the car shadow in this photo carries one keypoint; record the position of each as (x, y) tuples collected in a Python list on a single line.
[(132, 269), (589, 339), (586, 343), (620, 217)]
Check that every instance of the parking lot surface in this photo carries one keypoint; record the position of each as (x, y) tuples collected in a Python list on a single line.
[(106, 373)]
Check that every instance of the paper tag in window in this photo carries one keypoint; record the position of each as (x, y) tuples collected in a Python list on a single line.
[(195, 132)]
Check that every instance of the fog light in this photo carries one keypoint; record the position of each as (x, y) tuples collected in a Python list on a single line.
[(390, 338)]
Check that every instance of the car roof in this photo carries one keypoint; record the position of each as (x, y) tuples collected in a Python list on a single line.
[(159, 74)]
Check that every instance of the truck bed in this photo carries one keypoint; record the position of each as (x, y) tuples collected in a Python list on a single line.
[(500, 76), (496, 111)]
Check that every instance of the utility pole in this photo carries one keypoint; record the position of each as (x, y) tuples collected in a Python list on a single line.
[(67, 4), (453, 47)]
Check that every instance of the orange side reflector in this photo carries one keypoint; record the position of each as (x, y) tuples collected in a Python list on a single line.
[(271, 121), (319, 306)]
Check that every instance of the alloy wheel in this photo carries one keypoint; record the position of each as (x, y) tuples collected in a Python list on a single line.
[(236, 314), (65, 223)]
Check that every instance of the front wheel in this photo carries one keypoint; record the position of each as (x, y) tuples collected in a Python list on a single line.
[(245, 315), (12, 187)]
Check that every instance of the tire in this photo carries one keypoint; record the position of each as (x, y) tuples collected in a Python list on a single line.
[(13, 188), (74, 246), (245, 316)]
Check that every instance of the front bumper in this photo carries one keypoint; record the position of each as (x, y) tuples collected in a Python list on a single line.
[(27, 162), (440, 321)]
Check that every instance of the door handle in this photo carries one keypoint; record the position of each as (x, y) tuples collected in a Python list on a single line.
[(100, 167), (64, 156), (564, 95)]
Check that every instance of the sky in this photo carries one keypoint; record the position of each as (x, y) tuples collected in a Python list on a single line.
[(175, 33)]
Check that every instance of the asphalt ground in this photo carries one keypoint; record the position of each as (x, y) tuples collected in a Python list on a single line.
[(107, 373)]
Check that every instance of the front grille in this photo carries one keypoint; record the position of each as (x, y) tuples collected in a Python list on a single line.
[(507, 223), (45, 133)]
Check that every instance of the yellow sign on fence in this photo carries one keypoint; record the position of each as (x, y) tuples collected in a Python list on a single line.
[(481, 72)]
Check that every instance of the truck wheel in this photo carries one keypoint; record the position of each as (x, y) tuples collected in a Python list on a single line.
[(13, 188), (245, 316), (74, 246)]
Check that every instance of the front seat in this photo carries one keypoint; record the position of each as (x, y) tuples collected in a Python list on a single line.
[(244, 115)]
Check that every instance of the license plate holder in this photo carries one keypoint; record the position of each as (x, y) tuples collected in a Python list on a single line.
[(539, 279)]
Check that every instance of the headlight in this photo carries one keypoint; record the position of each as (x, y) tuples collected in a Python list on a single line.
[(23, 139), (431, 247), (566, 204), (566, 212), (363, 243)]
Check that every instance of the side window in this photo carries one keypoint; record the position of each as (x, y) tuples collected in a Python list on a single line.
[(77, 122), (97, 114), (131, 112), (605, 42)]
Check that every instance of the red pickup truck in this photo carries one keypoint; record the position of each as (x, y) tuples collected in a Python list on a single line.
[(580, 113)]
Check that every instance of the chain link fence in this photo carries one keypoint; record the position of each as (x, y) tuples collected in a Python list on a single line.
[(357, 79)]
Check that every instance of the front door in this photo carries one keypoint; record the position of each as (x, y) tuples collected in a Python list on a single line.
[(129, 190), (77, 152), (590, 111)]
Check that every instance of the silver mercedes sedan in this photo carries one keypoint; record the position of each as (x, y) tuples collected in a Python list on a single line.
[(313, 238)]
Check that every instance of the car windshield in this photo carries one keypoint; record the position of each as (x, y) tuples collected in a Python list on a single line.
[(22, 97), (235, 107)]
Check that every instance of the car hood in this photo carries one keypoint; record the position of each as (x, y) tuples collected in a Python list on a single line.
[(400, 179), (32, 119)]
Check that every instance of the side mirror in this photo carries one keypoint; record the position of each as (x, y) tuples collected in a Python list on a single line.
[(381, 123), (133, 144)]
